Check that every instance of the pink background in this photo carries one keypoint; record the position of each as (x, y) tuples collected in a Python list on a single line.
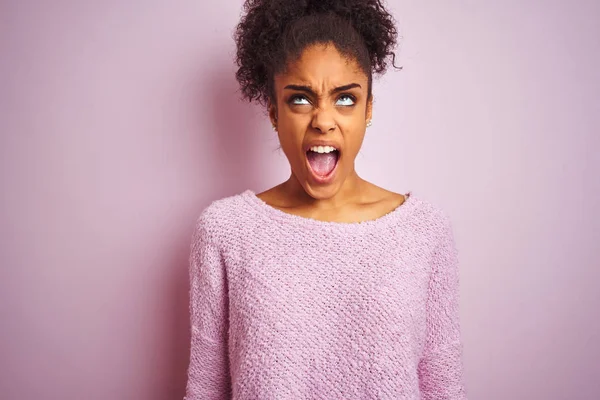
[(119, 122)]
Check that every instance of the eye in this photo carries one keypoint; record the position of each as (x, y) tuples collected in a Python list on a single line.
[(345, 100), (299, 100)]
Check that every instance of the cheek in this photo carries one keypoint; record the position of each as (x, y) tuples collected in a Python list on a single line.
[(291, 143), (353, 139), (291, 129)]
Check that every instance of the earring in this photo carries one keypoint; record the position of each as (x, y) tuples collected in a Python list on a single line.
[(369, 123), (274, 128)]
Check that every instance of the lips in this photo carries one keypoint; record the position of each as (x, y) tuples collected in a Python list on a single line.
[(322, 162), (316, 143)]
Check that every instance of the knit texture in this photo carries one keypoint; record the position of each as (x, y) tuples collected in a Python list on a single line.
[(287, 307)]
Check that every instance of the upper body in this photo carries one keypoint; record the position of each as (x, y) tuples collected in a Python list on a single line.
[(326, 285), (287, 307)]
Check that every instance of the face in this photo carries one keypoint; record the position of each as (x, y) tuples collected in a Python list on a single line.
[(321, 111)]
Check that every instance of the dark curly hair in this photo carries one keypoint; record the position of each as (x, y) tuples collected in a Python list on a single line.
[(273, 33)]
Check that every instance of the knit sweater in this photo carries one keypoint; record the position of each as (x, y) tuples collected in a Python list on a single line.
[(287, 307)]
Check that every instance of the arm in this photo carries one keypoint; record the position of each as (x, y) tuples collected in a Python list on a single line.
[(208, 372), (440, 368)]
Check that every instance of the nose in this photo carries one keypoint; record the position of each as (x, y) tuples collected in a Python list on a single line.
[(323, 121)]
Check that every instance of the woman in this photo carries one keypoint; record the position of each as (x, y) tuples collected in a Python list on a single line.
[(325, 286)]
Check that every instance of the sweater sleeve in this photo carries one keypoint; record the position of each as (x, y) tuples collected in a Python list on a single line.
[(441, 368), (208, 371)]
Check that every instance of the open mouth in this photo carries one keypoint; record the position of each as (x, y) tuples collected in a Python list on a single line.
[(322, 160)]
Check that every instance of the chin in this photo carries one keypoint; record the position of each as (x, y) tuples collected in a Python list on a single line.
[(321, 192)]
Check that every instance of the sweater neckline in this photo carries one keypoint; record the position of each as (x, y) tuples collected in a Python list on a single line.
[(391, 217)]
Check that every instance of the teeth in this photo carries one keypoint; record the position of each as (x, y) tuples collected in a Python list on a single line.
[(322, 149)]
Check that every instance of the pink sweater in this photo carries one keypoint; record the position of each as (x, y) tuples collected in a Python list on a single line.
[(286, 307)]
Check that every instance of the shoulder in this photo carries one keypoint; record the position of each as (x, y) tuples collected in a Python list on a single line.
[(431, 212), (218, 220), (429, 218)]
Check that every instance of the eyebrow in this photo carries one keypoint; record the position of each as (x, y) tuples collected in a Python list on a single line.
[(310, 91)]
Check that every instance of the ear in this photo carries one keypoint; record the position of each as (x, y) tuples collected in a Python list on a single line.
[(272, 107), (369, 110)]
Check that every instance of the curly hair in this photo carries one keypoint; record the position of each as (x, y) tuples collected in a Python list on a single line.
[(273, 33)]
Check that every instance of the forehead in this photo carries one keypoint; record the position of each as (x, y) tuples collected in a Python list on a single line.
[(321, 66)]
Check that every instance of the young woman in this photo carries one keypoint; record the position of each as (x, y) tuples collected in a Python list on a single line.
[(325, 286)]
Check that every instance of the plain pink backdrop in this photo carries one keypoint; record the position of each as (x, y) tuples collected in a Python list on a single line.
[(119, 122)]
